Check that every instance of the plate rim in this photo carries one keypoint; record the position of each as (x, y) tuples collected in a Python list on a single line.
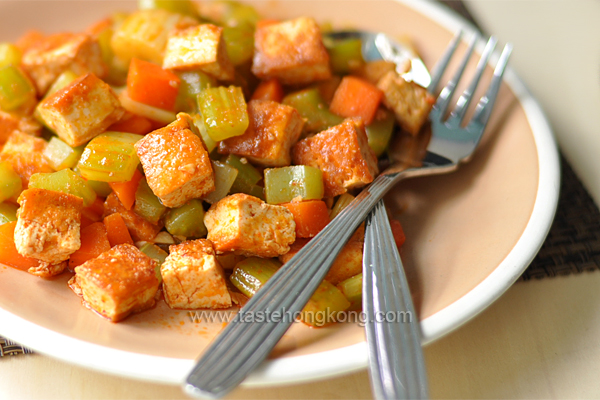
[(352, 358)]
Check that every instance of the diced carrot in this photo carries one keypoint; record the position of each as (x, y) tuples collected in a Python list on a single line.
[(94, 241), (8, 251), (150, 84), (133, 124), (266, 22), (356, 97), (125, 191), (310, 216), (29, 39), (398, 232), (93, 213), (269, 90), (117, 230)]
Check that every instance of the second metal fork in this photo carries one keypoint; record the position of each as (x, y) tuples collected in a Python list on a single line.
[(246, 342)]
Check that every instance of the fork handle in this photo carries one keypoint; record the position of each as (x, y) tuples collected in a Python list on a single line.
[(249, 338), (396, 363)]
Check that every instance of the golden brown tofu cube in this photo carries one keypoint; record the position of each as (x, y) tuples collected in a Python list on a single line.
[(82, 110), (48, 225), (54, 54), (118, 282), (342, 153), (410, 102), (47, 270), (248, 226), (199, 48), (25, 154), (347, 264), (139, 227), (176, 163), (291, 51), (144, 33), (273, 130), (193, 278), (10, 123)]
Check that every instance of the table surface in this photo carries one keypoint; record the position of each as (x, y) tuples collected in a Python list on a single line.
[(539, 340)]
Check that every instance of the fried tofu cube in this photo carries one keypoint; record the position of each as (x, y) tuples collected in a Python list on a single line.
[(199, 48), (410, 102), (291, 51), (347, 264), (246, 225), (274, 128), (342, 153), (10, 123), (25, 154), (50, 56), (144, 34), (176, 163), (140, 228), (81, 110), (48, 225), (118, 282), (47, 270), (193, 278)]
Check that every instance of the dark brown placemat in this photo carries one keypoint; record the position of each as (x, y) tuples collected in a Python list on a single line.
[(10, 348)]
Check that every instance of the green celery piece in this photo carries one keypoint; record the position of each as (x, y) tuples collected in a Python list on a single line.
[(352, 289), (313, 108), (102, 189), (63, 80), (224, 177), (65, 181), (185, 7), (15, 88), (252, 273), (224, 112), (147, 205), (60, 155), (247, 176), (241, 14), (187, 220), (341, 203), (345, 55), (110, 157), (10, 182), (324, 305), (379, 132), (300, 182), (239, 43), (191, 84), (156, 253), (208, 142), (257, 191), (9, 54), (8, 213)]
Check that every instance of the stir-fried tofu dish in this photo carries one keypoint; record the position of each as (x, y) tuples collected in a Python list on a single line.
[(184, 151)]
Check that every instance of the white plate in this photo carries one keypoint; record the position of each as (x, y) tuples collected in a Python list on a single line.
[(470, 234)]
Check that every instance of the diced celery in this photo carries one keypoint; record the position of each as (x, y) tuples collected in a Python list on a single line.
[(8, 213), (9, 54), (10, 182), (257, 191), (229, 261), (298, 182), (110, 157), (190, 86), (187, 220), (313, 108), (224, 112), (63, 80), (247, 176), (228, 12), (60, 155), (147, 205), (324, 305), (144, 110), (380, 131), (208, 142), (15, 88), (352, 289), (224, 177), (156, 253), (102, 189), (341, 203), (185, 7), (65, 181), (252, 273), (239, 43), (345, 55)]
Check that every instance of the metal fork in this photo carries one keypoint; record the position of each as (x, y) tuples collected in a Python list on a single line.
[(250, 337)]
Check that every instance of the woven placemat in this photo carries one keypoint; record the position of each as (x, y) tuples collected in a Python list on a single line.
[(10, 348)]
